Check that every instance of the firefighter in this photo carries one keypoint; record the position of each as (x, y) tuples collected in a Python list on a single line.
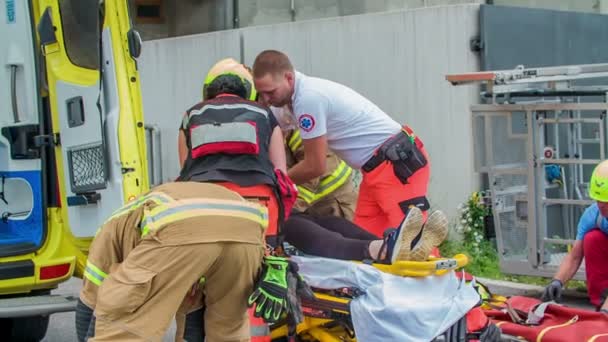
[(188, 231), (591, 245), (393, 159), (332, 194), (231, 140), (113, 242)]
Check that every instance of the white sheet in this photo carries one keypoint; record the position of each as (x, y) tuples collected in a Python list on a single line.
[(393, 308)]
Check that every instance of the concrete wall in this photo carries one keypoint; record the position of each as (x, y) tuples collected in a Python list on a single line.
[(197, 16), (150, 31), (263, 12), (185, 17), (397, 59)]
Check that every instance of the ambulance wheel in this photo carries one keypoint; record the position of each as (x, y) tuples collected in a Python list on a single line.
[(25, 329)]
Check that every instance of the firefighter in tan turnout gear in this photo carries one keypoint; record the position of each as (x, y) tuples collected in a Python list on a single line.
[(188, 230)]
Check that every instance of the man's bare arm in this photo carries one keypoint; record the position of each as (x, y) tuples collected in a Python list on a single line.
[(571, 263), (182, 148), (277, 150), (314, 163)]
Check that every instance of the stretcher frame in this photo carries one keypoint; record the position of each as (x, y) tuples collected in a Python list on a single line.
[(327, 318)]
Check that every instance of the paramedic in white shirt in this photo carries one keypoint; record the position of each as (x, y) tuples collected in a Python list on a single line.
[(394, 162)]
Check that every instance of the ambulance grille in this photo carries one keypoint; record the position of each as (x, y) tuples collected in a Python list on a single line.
[(87, 169)]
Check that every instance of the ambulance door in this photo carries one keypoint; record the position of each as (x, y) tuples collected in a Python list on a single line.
[(22, 227), (85, 111)]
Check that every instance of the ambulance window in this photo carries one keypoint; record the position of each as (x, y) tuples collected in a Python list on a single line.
[(79, 19)]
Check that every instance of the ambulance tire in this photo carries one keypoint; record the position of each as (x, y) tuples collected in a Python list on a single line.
[(195, 328), (25, 329)]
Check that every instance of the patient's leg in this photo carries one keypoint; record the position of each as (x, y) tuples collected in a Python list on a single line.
[(343, 227), (308, 236)]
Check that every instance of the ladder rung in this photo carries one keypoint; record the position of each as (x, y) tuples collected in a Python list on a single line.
[(570, 161), (588, 141), (559, 241), (579, 120), (552, 201)]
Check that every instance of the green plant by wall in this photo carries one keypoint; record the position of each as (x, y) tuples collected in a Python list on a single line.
[(483, 260), (471, 225)]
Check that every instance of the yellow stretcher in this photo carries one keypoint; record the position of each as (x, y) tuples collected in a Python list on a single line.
[(327, 318)]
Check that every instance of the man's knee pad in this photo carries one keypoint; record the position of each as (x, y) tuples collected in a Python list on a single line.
[(421, 203)]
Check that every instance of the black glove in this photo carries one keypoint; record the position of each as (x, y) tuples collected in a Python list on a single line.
[(491, 333), (553, 291)]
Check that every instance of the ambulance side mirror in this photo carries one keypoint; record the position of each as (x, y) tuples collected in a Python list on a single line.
[(134, 40)]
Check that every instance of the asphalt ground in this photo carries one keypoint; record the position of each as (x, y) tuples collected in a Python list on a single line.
[(62, 327)]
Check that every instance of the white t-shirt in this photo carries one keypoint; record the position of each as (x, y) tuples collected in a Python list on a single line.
[(355, 127)]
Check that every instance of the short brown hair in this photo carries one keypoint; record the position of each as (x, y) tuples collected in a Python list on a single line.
[(271, 62)]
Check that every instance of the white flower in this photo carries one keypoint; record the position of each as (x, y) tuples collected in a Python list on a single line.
[(463, 221), (470, 220)]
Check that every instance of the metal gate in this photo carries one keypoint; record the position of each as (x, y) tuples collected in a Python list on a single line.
[(538, 140)]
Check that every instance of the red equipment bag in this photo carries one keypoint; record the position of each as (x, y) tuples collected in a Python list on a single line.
[(287, 190), (533, 320)]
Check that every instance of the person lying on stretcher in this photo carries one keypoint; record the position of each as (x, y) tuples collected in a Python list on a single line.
[(335, 237)]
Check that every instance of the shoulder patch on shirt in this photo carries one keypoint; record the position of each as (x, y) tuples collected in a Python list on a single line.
[(306, 122)]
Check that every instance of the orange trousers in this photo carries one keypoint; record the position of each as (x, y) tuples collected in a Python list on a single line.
[(382, 196), (265, 195)]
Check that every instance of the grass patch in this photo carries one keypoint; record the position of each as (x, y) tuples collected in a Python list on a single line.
[(483, 262), (482, 253)]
